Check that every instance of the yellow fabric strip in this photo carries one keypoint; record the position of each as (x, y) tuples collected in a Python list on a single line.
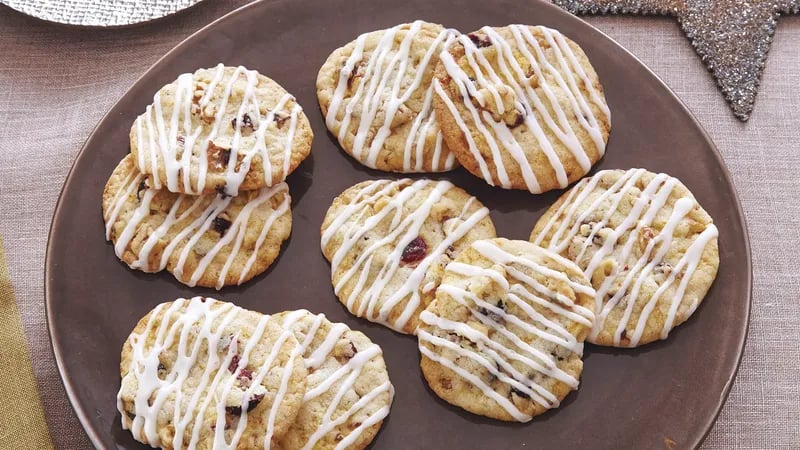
[(22, 422)]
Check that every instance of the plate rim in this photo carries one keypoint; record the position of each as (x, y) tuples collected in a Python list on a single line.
[(76, 25), (55, 347)]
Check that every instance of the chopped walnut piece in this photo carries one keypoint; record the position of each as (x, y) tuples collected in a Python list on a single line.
[(142, 187), (355, 75), (280, 118), (646, 235), (218, 157), (246, 125), (344, 351)]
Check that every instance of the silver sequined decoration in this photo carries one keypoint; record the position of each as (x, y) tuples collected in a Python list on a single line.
[(732, 37), (99, 13)]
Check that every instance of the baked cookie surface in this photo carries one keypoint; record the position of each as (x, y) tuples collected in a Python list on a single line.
[(504, 337), (220, 130), (208, 240), (348, 390), (376, 96), (388, 242), (202, 373), (521, 107), (646, 244)]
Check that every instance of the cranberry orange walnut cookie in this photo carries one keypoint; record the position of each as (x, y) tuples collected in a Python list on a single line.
[(207, 240), (521, 107), (202, 373), (220, 130), (504, 337), (348, 389), (648, 247), (389, 241), (376, 95)]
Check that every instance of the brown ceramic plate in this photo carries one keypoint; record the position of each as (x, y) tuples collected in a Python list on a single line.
[(663, 395)]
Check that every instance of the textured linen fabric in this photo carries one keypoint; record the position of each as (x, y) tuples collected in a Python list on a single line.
[(57, 82)]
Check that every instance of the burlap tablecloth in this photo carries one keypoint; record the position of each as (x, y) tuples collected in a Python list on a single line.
[(56, 83)]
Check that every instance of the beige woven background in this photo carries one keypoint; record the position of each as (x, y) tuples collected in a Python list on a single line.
[(56, 83)]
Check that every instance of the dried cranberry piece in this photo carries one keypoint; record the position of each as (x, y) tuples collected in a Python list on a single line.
[(415, 251), (519, 393), (252, 403), (234, 364), (220, 225), (479, 41), (245, 374), (221, 191), (519, 120), (492, 315)]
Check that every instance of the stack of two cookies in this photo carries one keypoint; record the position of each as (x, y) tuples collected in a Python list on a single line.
[(203, 373), (202, 193), (500, 323)]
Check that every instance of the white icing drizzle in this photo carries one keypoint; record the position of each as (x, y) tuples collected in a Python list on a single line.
[(163, 142), (496, 358), (567, 76), (618, 245), (374, 301), (345, 375), (382, 90), (191, 233), (182, 319)]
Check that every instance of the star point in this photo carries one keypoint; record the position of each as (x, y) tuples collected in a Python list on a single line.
[(732, 37)]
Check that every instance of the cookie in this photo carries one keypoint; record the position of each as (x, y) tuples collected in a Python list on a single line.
[(504, 337), (209, 240), (202, 373), (389, 241), (348, 389), (220, 130), (521, 107), (376, 96), (647, 246)]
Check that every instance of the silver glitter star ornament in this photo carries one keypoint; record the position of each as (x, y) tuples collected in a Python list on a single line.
[(732, 37)]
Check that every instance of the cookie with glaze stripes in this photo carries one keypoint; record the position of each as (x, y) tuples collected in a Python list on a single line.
[(647, 246), (388, 242), (504, 337), (220, 130), (349, 393), (211, 240), (202, 373), (377, 98), (521, 107)]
